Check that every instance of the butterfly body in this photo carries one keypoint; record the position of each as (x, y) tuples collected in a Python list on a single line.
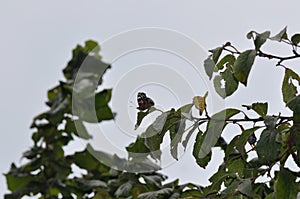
[(143, 101)]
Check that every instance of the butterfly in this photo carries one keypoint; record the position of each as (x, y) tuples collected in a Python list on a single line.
[(143, 101)]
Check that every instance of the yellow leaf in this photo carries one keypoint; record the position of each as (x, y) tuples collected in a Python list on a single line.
[(200, 103)]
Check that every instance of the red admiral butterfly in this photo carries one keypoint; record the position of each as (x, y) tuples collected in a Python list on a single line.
[(143, 101)]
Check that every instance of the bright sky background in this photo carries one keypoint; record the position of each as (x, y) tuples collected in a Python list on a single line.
[(37, 39)]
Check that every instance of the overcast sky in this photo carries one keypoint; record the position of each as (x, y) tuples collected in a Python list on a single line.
[(37, 38)]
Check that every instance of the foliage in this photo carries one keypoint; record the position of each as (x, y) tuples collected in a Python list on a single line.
[(48, 170)]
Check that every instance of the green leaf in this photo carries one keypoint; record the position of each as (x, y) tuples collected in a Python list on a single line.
[(289, 90), (238, 142), (259, 107), (138, 146), (280, 36), (124, 190), (296, 134), (230, 83), (209, 66), (214, 129), (177, 132), (295, 39), (243, 65), (286, 185), (85, 160), (162, 193), (77, 127), (202, 162), (189, 134), (140, 116), (216, 53), (227, 59), (250, 34), (104, 113), (155, 180), (246, 187), (102, 98), (294, 105), (260, 39), (267, 148), (153, 136), (90, 184), (92, 46), (16, 182)]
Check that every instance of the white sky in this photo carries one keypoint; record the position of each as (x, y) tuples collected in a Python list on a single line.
[(37, 39)]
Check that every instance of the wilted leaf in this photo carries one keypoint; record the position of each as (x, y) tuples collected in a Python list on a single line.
[(200, 103), (243, 65)]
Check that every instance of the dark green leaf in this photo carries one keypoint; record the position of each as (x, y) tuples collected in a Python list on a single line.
[(162, 193), (280, 36), (177, 132), (90, 184), (243, 65), (238, 143), (15, 182), (289, 90), (92, 46), (286, 185), (102, 98), (214, 129), (155, 180), (250, 34), (104, 113), (260, 39), (140, 116), (202, 162), (216, 53), (246, 187), (236, 166), (227, 59), (85, 160), (124, 190), (259, 107), (225, 84), (294, 105), (189, 134), (77, 127), (296, 134), (209, 66), (267, 148), (138, 146), (270, 121), (295, 39)]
